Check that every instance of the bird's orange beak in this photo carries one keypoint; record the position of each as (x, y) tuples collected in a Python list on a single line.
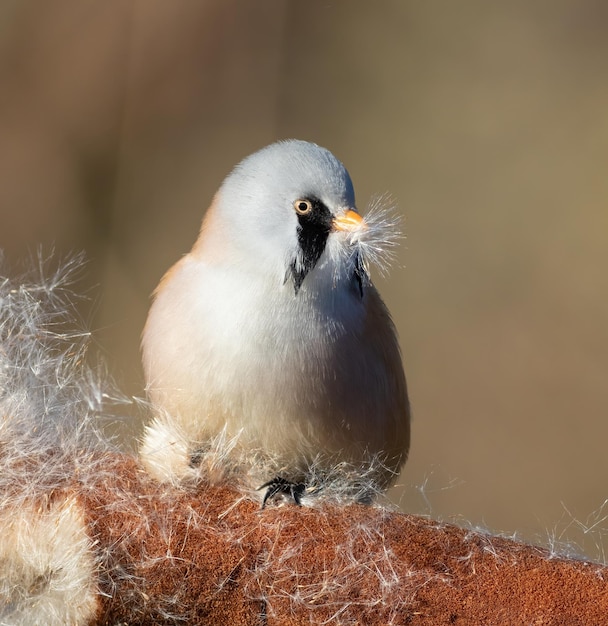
[(348, 222)]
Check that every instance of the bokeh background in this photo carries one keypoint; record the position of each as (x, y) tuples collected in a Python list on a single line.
[(487, 121)]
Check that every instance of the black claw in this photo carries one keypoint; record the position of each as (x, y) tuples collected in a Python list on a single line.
[(196, 457), (283, 486)]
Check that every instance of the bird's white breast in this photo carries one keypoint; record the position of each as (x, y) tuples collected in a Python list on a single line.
[(212, 360)]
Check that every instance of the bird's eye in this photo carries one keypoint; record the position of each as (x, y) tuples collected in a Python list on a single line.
[(302, 207)]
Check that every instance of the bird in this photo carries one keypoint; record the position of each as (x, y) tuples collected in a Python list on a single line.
[(270, 334)]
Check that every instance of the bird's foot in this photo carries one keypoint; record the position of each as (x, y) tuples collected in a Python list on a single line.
[(282, 486)]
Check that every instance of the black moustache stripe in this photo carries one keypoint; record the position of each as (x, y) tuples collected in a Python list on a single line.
[(313, 231), (360, 274)]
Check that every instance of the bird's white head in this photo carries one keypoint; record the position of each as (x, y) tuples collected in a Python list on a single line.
[(290, 209)]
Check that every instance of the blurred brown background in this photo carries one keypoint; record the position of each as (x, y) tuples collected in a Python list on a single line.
[(487, 121)]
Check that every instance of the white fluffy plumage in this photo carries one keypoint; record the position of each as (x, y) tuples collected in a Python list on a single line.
[(271, 331)]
